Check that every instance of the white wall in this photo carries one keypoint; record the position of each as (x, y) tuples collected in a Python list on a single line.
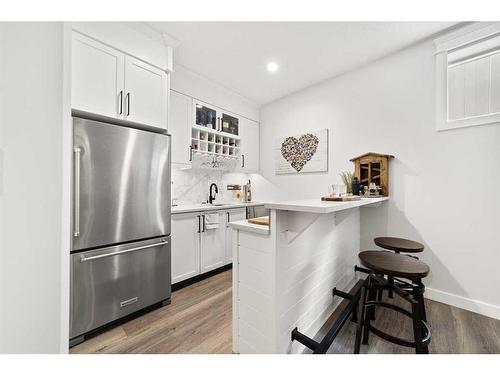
[(443, 185), (31, 118)]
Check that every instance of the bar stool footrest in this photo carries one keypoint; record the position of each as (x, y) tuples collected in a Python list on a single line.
[(322, 347)]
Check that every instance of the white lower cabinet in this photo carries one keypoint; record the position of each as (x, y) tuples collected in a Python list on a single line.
[(213, 243), (232, 215), (196, 247), (185, 246)]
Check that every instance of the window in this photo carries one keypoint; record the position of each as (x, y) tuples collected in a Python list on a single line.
[(468, 77)]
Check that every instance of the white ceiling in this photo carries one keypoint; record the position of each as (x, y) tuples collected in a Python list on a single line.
[(235, 54)]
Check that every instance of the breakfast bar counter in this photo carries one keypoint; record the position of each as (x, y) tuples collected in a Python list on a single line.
[(283, 274)]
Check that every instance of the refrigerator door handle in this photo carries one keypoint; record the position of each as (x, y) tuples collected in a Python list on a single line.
[(76, 225), (161, 243)]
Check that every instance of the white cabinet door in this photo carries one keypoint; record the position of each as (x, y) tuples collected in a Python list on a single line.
[(213, 244), (249, 134), (97, 77), (232, 215), (179, 127), (146, 90), (185, 247)]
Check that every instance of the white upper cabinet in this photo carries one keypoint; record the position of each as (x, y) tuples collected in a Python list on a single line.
[(179, 127), (145, 93), (108, 82), (249, 134), (97, 77)]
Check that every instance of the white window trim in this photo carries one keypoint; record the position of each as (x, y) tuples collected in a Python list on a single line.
[(444, 44)]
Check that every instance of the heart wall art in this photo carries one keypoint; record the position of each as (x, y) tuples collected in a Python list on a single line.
[(302, 153)]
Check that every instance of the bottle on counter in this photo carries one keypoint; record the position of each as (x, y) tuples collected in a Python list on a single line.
[(356, 186), (249, 191)]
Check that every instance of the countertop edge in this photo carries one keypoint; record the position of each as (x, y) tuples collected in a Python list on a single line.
[(322, 207), (180, 210), (244, 225)]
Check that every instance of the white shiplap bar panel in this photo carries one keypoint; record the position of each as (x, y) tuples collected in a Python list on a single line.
[(284, 279), (320, 254)]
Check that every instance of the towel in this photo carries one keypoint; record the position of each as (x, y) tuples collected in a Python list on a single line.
[(211, 221)]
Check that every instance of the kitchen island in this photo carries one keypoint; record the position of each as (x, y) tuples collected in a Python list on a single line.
[(284, 273)]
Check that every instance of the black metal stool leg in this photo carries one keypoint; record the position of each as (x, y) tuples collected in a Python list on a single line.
[(369, 310), (361, 320), (390, 280), (372, 295), (417, 329), (420, 298), (418, 311), (354, 316)]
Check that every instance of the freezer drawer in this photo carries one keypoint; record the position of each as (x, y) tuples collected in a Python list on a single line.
[(110, 283)]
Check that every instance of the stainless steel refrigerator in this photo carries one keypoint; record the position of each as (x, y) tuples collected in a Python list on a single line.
[(120, 256)]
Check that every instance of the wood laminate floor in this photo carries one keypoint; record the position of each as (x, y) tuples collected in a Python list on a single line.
[(199, 321)]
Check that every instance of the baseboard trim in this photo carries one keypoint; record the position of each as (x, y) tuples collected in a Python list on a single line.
[(478, 307)]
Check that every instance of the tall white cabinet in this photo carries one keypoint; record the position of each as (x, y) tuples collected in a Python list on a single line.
[(249, 133), (108, 82), (180, 121)]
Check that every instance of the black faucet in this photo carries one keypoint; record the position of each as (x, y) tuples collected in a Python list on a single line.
[(210, 197)]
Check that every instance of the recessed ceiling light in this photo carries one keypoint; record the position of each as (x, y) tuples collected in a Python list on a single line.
[(272, 67)]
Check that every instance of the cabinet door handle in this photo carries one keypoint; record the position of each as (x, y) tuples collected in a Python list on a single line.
[(199, 224), (121, 101), (228, 218), (204, 224), (128, 103), (190, 153), (242, 161)]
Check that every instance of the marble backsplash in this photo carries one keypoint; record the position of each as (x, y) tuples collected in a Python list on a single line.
[(192, 185)]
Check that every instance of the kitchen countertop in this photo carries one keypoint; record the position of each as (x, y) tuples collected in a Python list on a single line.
[(249, 227), (320, 207), (194, 207)]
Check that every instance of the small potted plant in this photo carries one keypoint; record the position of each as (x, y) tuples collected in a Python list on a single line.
[(347, 179)]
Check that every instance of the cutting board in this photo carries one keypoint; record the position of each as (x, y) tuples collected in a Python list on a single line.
[(345, 198), (264, 220)]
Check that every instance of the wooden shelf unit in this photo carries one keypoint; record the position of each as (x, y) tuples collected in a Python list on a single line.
[(373, 168)]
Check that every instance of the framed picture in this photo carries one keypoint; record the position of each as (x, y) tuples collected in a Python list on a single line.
[(302, 153)]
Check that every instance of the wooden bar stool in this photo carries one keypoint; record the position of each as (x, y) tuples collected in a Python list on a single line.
[(403, 267), (398, 245)]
